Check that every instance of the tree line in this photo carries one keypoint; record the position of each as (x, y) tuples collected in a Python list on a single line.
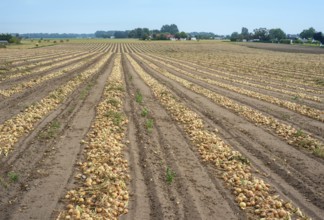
[(11, 38), (276, 35), (56, 35), (143, 33)]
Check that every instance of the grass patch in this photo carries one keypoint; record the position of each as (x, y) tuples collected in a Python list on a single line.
[(149, 124), (240, 158), (13, 176), (138, 97), (51, 131), (319, 152), (170, 175), (113, 102), (295, 97), (116, 117), (299, 133), (144, 112), (85, 92)]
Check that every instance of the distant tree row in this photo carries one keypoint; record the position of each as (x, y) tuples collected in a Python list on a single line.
[(56, 35), (204, 35), (10, 38), (262, 34), (164, 33), (275, 35)]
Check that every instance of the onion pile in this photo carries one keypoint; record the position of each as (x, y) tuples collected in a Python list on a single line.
[(252, 194)]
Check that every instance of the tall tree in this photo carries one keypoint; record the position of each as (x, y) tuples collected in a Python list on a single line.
[(307, 33), (276, 34), (6, 37), (319, 36), (262, 34), (172, 29), (235, 36), (245, 33)]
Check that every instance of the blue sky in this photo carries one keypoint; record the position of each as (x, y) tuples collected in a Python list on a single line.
[(220, 17)]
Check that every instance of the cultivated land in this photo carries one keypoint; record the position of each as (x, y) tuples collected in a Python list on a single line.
[(93, 129)]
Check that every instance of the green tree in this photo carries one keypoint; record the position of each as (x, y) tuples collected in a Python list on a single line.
[(235, 36), (245, 33), (172, 29), (261, 33), (276, 34), (319, 37), (307, 33), (181, 35), (6, 37)]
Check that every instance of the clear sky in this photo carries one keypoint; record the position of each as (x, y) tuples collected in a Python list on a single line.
[(218, 16)]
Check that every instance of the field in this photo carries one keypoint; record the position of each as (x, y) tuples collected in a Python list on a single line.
[(94, 129)]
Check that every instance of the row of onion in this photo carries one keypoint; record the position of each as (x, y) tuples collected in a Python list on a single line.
[(252, 194), (102, 176)]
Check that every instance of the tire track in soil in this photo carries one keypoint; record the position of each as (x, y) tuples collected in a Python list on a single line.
[(46, 167), (193, 194), (17, 103), (308, 124), (294, 173)]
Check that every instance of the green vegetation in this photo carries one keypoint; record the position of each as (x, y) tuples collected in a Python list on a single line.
[(115, 116), (240, 158), (170, 175), (319, 152), (299, 133), (307, 33), (51, 131), (85, 92), (144, 112), (13, 176), (11, 39), (149, 124), (113, 102), (138, 97)]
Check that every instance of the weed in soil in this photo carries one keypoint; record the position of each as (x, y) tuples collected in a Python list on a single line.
[(51, 131), (149, 124), (13, 176), (170, 175), (139, 97), (144, 112)]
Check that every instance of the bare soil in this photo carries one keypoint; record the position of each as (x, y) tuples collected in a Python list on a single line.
[(45, 159), (285, 48)]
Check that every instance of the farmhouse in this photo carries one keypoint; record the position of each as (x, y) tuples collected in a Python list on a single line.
[(170, 37)]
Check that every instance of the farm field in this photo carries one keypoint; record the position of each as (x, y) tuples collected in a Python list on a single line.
[(108, 129)]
